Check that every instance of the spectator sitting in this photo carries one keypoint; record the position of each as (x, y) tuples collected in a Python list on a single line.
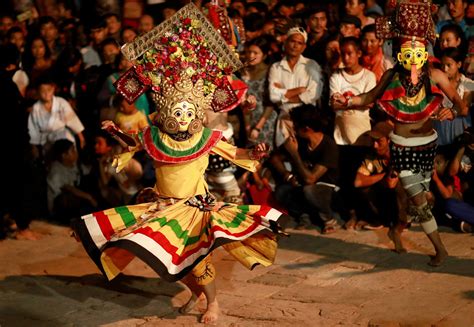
[(115, 188), (375, 183), (66, 199), (315, 159), (450, 201), (461, 165)]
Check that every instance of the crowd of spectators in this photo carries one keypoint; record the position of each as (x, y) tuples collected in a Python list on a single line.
[(326, 167)]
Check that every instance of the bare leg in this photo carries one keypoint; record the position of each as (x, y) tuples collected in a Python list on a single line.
[(441, 253), (395, 234), (212, 311), (434, 237), (195, 293)]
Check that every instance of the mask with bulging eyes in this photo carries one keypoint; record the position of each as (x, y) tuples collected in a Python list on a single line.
[(184, 113), (412, 57)]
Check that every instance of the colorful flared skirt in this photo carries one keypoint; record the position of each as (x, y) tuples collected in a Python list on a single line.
[(172, 237)]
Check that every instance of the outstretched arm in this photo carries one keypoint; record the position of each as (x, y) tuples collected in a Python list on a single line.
[(125, 140), (339, 102)]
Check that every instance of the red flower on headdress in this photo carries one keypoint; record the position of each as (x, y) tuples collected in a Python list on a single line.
[(187, 21)]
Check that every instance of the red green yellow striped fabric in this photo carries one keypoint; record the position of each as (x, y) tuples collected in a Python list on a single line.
[(395, 102), (172, 241), (151, 139)]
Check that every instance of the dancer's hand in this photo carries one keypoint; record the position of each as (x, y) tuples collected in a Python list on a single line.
[(259, 151)]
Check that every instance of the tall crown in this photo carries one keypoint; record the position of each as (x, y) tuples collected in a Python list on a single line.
[(183, 90)]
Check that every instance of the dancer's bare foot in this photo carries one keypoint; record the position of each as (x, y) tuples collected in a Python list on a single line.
[(396, 238), (26, 234), (189, 305), (211, 314), (438, 259)]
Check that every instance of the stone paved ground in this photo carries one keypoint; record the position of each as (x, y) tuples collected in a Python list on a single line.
[(347, 278)]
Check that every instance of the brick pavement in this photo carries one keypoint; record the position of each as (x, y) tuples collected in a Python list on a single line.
[(346, 278)]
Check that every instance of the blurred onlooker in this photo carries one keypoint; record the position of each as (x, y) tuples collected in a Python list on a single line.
[(12, 68), (113, 26), (357, 8), (49, 31), (115, 188), (461, 164), (16, 36), (457, 11), (293, 81), (260, 126), (332, 53), (258, 7), (253, 24), (108, 90), (109, 50), (52, 119), (128, 118), (373, 57), (239, 6), (66, 198), (6, 22), (373, 9), (14, 172), (97, 34), (350, 26), (451, 36), (146, 24), (285, 8), (318, 34), (448, 197), (449, 130), (128, 34), (37, 59)]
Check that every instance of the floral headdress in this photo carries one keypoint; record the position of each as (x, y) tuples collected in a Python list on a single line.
[(186, 46), (411, 21)]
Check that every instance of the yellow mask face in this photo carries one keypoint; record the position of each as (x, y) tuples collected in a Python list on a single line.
[(410, 56), (184, 112)]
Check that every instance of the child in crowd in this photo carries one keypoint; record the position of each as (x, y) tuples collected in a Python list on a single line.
[(66, 198), (52, 118), (129, 119), (115, 188)]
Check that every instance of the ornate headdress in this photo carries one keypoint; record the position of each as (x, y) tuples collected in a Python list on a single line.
[(411, 21), (182, 59)]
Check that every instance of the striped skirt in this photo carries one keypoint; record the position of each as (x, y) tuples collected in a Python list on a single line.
[(173, 237)]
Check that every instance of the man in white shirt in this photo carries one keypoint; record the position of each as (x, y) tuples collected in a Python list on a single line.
[(293, 81)]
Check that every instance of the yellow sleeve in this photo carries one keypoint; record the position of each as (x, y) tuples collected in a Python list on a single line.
[(228, 151), (122, 160)]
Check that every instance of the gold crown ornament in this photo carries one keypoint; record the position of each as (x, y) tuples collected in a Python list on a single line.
[(182, 59)]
